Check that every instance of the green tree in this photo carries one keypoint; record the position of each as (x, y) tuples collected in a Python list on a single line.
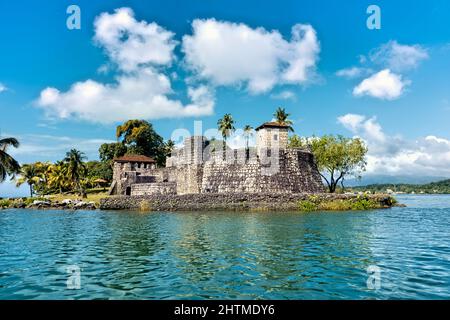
[(169, 146), (8, 165), (57, 177), (109, 151), (30, 174), (226, 127), (281, 117), (140, 138), (99, 170), (336, 157), (76, 169)]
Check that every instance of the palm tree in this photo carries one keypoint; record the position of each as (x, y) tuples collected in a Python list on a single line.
[(8, 165), (57, 176), (75, 167), (226, 127), (282, 118), (29, 173), (170, 145)]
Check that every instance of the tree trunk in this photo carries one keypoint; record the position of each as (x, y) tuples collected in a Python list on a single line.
[(31, 191)]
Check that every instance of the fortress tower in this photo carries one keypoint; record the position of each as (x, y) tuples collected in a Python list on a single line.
[(271, 135)]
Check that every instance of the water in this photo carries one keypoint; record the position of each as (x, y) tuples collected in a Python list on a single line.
[(128, 255)]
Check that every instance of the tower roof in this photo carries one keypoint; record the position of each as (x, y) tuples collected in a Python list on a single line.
[(273, 124), (135, 158)]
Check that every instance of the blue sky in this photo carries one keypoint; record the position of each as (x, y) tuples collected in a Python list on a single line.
[(388, 86)]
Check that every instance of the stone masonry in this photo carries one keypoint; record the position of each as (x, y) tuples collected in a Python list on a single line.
[(197, 167)]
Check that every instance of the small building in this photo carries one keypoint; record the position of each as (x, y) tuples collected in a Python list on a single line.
[(131, 169), (272, 135)]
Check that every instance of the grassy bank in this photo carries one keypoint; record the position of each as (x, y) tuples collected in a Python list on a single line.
[(361, 202)]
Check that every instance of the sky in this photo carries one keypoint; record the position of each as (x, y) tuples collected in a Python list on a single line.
[(176, 62)]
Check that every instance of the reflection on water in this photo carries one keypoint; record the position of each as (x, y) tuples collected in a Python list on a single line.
[(128, 255)]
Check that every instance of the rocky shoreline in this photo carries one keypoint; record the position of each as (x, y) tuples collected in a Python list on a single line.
[(248, 202), (66, 204), (216, 202)]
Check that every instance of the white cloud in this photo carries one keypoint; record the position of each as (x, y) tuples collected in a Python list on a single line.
[(228, 53), (394, 155), (140, 90), (44, 147), (131, 43), (383, 85), (284, 95), (141, 95), (2, 87), (399, 57), (353, 72)]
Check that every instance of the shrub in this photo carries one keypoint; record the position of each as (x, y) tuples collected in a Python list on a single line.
[(307, 205), (5, 203)]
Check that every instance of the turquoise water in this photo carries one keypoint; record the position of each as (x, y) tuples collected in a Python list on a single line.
[(126, 255)]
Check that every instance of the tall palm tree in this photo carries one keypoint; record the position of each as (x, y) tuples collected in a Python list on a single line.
[(226, 127), (281, 117), (75, 167), (29, 173), (8, 165)]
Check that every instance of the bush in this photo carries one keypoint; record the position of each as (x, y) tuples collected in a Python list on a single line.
[(307, 205), (5, 203)]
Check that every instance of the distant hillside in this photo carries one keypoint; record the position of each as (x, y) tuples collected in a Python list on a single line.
[(441, 187)]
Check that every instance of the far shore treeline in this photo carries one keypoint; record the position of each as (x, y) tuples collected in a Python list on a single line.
[(337, 157)]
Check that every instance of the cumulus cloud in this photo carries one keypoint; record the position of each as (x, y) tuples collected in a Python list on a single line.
[(383, 85), (141, 95), (2, 87), (399, 57), (131, 43), (394, 59), (228, 53), (394, 155), (141, 89)]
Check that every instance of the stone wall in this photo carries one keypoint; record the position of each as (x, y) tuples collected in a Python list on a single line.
[(292, 171), (226, 201), (142, 189)]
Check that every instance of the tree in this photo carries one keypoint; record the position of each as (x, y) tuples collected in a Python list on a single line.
[(99, 170), (281, 117), (57, 177), (8, 165), (335, 156), (226, 127), (140, 138), (169, 146), (76, 169), (30, 174), (109, 151)]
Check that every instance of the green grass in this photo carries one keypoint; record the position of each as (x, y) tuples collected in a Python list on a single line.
[(359, 203)]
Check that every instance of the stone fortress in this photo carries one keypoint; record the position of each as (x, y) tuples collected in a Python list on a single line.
[(201, 166)]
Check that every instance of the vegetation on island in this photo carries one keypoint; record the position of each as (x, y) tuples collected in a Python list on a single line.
[(361, 202), (439, 187), (74, 175), (336, 157)]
